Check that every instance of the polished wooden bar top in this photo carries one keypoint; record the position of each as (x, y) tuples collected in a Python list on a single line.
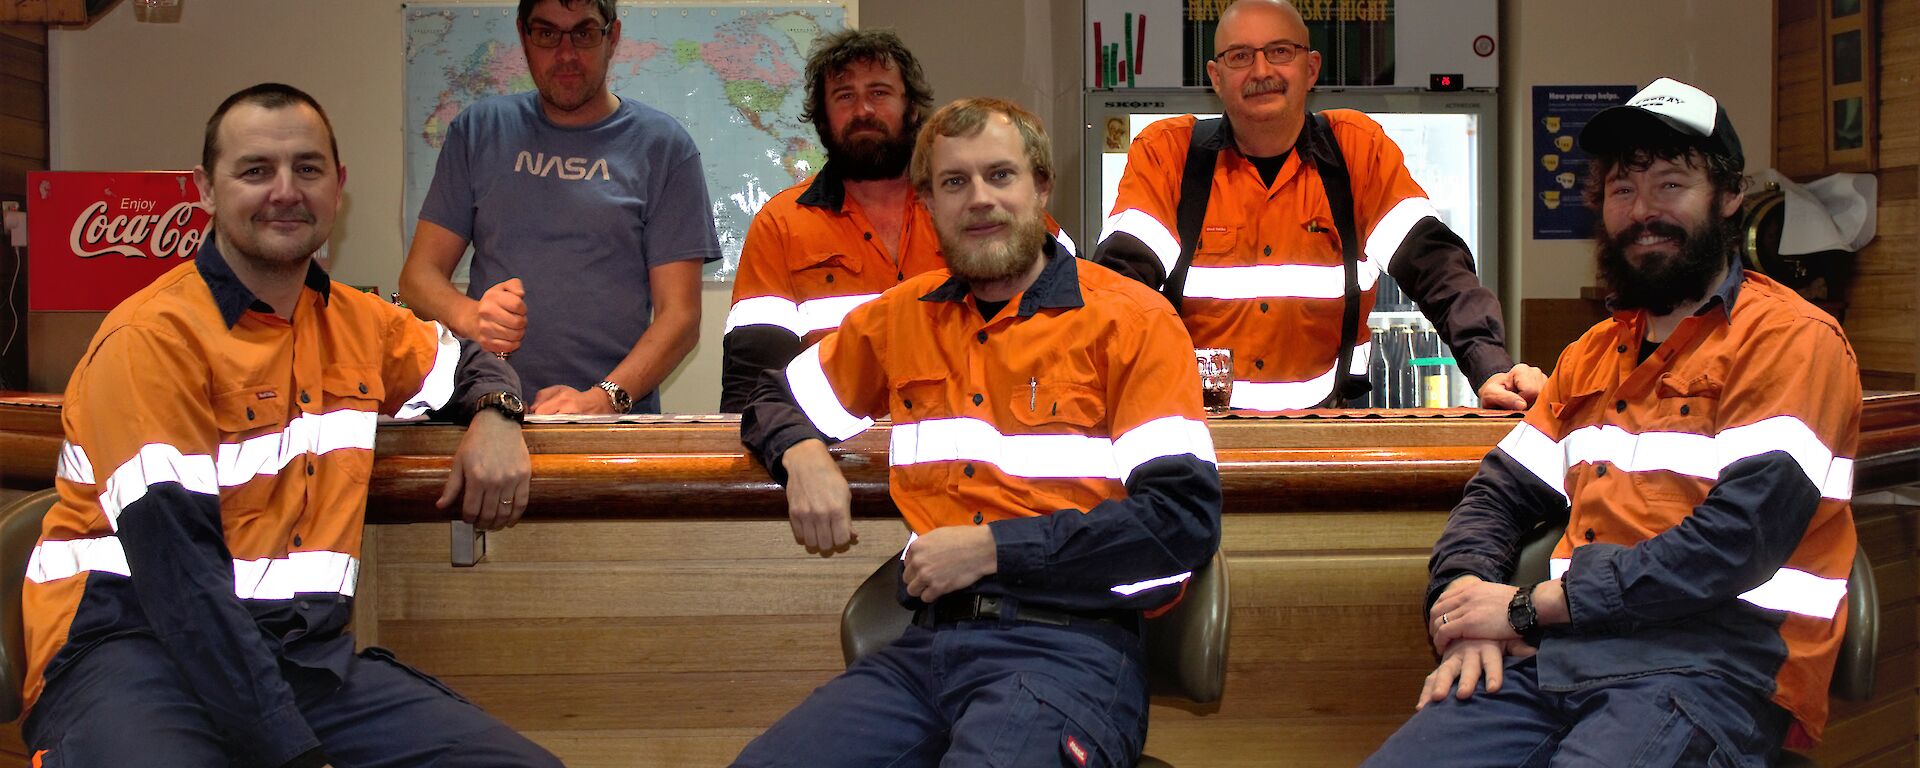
[(695, 466)]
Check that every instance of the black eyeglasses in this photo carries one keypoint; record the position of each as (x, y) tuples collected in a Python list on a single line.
[(583, 36), (1241, 56)]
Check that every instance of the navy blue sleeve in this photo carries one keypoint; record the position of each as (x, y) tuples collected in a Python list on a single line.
[(1501, 504), (1433, 266)]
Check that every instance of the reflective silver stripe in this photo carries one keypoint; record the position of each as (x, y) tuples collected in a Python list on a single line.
[(1032, 456), (1362, 355), (1791, 590), (155, 463), (1282, 395), (55, 560), (297, 573), (1391, 232), (1685, 453), (764, 310), (1142, 586), (74, 466), (308, 433), (821, 314), (814, 395), (262, 579), (1269, 281), (1147, 229), (1066, 242), (1166, 436), (437, 389)]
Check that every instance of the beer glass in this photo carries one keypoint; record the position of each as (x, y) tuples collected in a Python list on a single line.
[(1216, 379)]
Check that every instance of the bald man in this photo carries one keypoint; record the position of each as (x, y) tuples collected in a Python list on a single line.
[(1270, 267)]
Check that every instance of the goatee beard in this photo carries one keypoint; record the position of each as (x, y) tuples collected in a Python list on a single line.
[(872, 159), (1662, 282), (989, 262)]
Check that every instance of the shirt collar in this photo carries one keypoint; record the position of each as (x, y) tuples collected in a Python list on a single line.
[(1223, 138), (827, 191), (233, 297), (1057, 287), (1723, 296)]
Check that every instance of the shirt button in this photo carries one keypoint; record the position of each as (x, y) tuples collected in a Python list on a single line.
[(303, 605), (829, 278), (363, 387), (981, 337), (968, 470), (309, 468), (907, 404), (1685, 409), (1260, 364), (1622, 349), (1268, 251), (1263, 306), (249, 414), (296, 540), (866, 235), (1600, 470), (977, 399), (1589, 535), (977, 517), (304, 398), (1620, 406)]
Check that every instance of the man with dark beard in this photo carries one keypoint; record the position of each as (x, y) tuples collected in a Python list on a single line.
[(1049, 451), (1266, 269), (589, 220), (829, 244), (1697, 449)]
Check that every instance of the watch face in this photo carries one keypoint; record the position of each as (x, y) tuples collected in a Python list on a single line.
[(512, 402)]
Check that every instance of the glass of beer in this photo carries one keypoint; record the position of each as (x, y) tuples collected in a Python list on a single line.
[(1216, 379)]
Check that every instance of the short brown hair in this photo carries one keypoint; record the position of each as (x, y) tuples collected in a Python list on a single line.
[(835, 52), (608, 14), (269, 96), (967, 117)]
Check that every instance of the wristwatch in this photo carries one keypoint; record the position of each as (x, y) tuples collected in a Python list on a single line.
[(507, 403), (622, 402), (1525, 620)]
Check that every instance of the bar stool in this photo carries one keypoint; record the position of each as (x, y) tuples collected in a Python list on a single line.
[(19, 529)]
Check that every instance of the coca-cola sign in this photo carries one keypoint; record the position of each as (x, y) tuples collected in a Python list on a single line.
[(94, 239)]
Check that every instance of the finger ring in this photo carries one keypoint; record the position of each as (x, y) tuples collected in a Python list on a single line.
[(1443, 619)]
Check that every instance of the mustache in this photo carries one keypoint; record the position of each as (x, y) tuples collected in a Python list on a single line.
[(297, 213), (1258, 86), (992, 217), (1663, 229)]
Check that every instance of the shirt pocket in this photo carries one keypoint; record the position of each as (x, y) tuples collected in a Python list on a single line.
[(826, 273), (1577, 408), (915, 403), (1686, 403), (350, 413), (252, 421), (1057, 408)]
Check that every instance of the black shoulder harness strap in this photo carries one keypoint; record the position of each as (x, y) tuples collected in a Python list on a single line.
[(1196, 186)]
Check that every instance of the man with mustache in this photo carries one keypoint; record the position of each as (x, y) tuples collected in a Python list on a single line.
[(826, 245), (589, 220), (1263, 272), (1697, 446), (188, 600), (1048, 450)]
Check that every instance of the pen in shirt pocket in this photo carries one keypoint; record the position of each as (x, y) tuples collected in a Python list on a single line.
[(1033, 394)]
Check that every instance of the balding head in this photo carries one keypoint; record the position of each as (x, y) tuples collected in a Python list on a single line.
[(1266, 102)]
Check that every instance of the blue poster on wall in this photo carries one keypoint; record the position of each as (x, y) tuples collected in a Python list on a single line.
[(1559, 166)]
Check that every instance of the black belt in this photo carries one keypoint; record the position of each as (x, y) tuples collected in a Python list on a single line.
[(956, 608)]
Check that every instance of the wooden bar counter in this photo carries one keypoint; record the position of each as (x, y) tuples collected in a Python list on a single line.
[(653, 610)]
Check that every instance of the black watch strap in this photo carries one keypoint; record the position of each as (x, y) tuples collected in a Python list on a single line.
[(1522, 616)]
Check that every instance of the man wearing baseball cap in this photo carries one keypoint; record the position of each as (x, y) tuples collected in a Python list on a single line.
[(1697, 446)]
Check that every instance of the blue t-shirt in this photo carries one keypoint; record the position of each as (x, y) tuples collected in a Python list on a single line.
[(579, 215)]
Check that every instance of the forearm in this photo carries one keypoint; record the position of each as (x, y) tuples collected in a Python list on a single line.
[(431, 296), (1500, 505), (1436, 270), (660, 349)]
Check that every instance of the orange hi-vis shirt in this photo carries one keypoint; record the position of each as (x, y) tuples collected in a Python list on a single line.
[(1268, 277), (810, 257), (1070, 422), (213, 485), (1707, 491)]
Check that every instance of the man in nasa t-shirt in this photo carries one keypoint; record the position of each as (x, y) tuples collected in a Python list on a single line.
[(589, 220)]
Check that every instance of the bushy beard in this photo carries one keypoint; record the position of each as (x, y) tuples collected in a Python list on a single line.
[(1007, 257), (1663, 281), (871, 158)]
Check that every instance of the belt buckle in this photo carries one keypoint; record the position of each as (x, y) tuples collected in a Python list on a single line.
[(986, 607)]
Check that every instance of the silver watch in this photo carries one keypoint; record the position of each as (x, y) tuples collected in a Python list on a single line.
[(622, 402)]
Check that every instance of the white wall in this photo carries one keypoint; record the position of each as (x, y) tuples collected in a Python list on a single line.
[(1723, 46)]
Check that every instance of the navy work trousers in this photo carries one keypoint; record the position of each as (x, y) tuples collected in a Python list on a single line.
[(123, 703), (978, 694), (1662, 719)]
